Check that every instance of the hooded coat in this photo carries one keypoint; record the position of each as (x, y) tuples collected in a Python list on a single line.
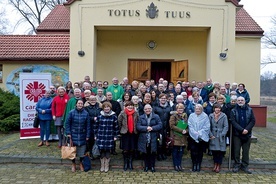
[(105, 130)]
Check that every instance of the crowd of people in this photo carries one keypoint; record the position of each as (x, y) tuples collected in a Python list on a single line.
[(152, 120)]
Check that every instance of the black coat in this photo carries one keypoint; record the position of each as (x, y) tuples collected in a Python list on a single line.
[(141, 127), (250, 121), (164, 114), (93, 111)]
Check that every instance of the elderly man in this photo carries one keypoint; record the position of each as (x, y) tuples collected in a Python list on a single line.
[(87, 79), (125, 82), (209, 86), (202, 91), (116, 90), (243, 121), (222, 91), (160, 89), (177, 90), (71, 104), (100, 96)]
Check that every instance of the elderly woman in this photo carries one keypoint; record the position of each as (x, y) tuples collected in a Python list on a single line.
[(93, 108), (127, 120), (199, 128), (135, 101), (219, 128), (106, 133), (148, 126), (58, 108), (78, 129), (179, 133), (196, 99), (43, 108)]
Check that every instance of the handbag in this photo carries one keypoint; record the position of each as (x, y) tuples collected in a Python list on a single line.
[(169, 142), (68, 151), (36, 121), (86, 162), (95, 150)]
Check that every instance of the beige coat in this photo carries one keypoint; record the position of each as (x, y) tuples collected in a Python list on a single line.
[(178, 140)]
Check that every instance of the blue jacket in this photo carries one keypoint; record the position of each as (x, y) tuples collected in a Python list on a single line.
[(204, 94), (44, 104), (208, 108), (141, 127), (78, 126), (244, 94)]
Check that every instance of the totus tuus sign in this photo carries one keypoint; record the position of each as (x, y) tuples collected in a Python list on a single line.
[(151, 12)]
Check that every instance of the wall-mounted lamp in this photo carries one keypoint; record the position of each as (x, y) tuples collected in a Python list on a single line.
[(81, 53), (223, 55), (151, 44)]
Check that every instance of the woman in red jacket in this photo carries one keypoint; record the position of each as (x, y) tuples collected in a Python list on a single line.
[(58, 107)]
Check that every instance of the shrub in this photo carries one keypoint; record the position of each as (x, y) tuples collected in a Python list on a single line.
[(10, 123), (9, 111)]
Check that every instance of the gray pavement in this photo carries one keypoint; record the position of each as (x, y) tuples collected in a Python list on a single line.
[(43, 162), (47, 174)]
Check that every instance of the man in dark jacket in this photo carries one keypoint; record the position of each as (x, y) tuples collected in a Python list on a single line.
[(242, 120)]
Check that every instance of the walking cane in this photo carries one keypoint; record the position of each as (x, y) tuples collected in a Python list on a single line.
[(230, 148)]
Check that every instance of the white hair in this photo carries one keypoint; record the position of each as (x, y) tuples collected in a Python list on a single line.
[(77, 90)]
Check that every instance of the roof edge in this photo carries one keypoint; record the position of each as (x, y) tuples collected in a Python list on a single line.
[(250, 33), (36, 59), (69, 2), (235, 2)]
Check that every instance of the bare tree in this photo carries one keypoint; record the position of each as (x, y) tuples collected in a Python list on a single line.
[(33, 11), (3, 23), (269, 40)]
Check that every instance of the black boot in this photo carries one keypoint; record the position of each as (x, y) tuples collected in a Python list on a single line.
[(125, 162), (194, 168), (146, 166), (130, 165), (198, 167)]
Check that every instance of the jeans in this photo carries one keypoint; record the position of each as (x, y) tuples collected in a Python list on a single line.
[(44, 129), (177, 153)]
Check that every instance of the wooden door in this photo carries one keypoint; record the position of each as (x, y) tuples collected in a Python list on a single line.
[(139, 70), (179, 71)]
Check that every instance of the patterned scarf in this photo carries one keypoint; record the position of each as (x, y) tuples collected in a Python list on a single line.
[(130, 121)]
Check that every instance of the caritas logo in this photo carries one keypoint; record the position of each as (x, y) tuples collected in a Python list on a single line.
[(34, 91)]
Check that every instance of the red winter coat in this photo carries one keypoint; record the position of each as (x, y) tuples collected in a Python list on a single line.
[(59, 105)]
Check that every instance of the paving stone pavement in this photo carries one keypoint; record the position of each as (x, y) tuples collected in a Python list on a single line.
[(14, 150), (61, 174)]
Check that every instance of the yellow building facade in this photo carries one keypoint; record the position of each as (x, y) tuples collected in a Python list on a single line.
[(117, 37), (144, 39)]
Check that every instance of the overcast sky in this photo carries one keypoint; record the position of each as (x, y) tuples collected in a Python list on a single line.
[(260, 10)]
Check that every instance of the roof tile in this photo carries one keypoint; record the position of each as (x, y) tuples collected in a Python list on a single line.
[(246, 24), (34, 47), (57, 20)]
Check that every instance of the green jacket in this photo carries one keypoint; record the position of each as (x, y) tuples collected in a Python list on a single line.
[(117, 91)]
